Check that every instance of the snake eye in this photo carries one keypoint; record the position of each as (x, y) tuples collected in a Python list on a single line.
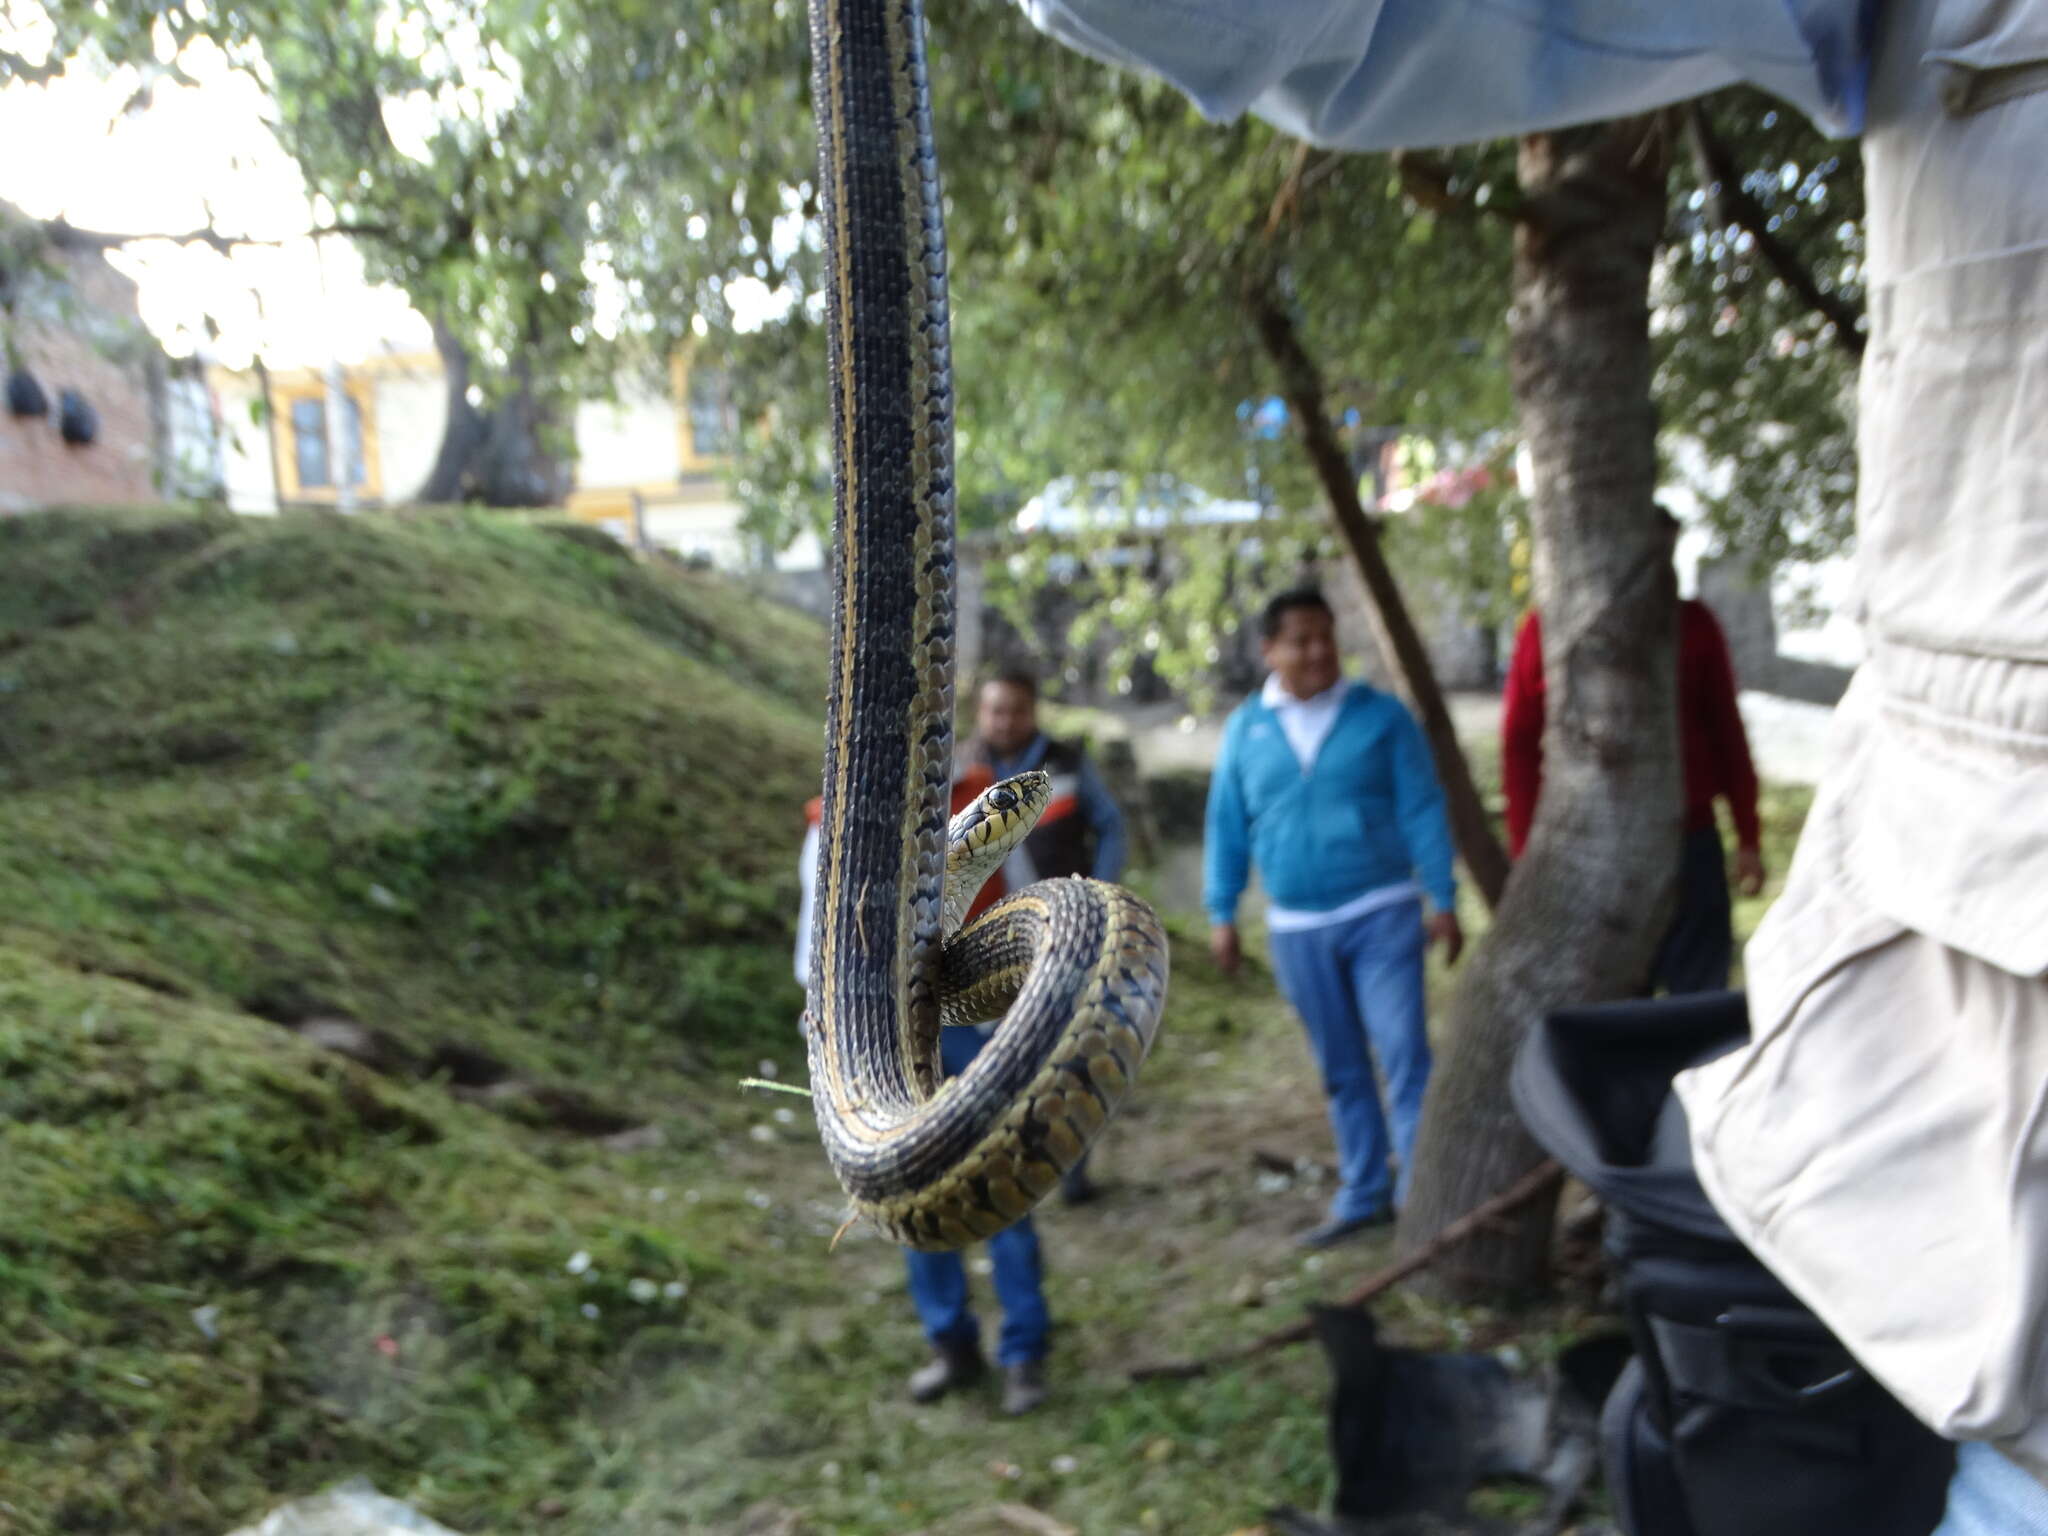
[(1003, 799)]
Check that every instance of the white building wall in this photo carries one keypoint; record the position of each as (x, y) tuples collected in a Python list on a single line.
[(806, 552), (411, 413), (631, 441), (709, 529), (245, 446)]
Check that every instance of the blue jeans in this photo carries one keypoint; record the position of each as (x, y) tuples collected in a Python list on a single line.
[(938, 1281), (1358, 989), (1991, 1496)]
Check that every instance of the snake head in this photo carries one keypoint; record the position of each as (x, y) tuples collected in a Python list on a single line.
[(1000, 817), (981, 837)]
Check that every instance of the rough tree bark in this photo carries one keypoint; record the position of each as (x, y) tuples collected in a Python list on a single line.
[(1590, 895), (1302, 384)]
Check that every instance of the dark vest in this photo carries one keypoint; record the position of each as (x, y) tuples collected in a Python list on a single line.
[(1063, 843)]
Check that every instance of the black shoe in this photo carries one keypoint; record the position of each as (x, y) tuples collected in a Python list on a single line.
[(1333, 1232), (954, 1363), (1023, 1387)]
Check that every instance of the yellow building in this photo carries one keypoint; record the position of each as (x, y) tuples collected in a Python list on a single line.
[(278, 454), (651, 465)]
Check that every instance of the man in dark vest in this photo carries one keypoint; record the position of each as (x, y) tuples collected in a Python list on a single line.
[(1081, 831), (938, 1281)]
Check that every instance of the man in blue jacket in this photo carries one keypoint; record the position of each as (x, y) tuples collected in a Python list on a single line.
[(1328, 785)]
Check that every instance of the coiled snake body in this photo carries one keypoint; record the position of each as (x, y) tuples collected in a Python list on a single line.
[(1076, 968)]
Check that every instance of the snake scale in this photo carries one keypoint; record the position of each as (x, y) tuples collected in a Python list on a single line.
[(1076, 969)]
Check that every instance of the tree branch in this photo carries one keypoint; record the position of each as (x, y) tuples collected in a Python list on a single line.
[(1427, 182), (66, 236), (1300, 178), (1425, 179), (16, 66), (1301, 385), (1732, 204)]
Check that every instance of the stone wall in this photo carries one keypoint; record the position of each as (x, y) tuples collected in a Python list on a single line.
[(1744, 609)]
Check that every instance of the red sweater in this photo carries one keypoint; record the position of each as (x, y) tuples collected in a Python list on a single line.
[(1712, 743)]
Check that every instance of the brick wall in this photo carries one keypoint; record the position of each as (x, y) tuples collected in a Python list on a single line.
[(76, 326)]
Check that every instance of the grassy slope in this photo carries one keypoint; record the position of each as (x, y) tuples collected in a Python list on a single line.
[(413, 773), (525, 812), (519, 809)]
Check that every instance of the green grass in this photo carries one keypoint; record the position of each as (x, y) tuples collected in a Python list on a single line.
[(808, 1411), (457, 778), (165, 1157), (520, 810), (515, 817), (1782, 810)]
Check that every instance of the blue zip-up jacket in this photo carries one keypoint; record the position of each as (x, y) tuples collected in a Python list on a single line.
[(1368, 814)]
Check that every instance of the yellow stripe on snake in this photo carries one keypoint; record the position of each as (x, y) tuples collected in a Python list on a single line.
[(1076, 969)]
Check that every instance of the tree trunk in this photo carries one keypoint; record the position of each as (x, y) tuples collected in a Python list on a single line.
[(500, 457), (1301, 382), (517, 465), (1590, 896), (463, 428)]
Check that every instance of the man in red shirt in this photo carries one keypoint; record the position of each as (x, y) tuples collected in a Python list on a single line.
[(1699, 947)]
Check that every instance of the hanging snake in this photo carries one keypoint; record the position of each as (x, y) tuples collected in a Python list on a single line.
[(1075, 969)]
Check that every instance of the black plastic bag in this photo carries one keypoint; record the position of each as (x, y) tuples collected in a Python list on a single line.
[(77, 421), (26, 397), (1413, 1432)]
